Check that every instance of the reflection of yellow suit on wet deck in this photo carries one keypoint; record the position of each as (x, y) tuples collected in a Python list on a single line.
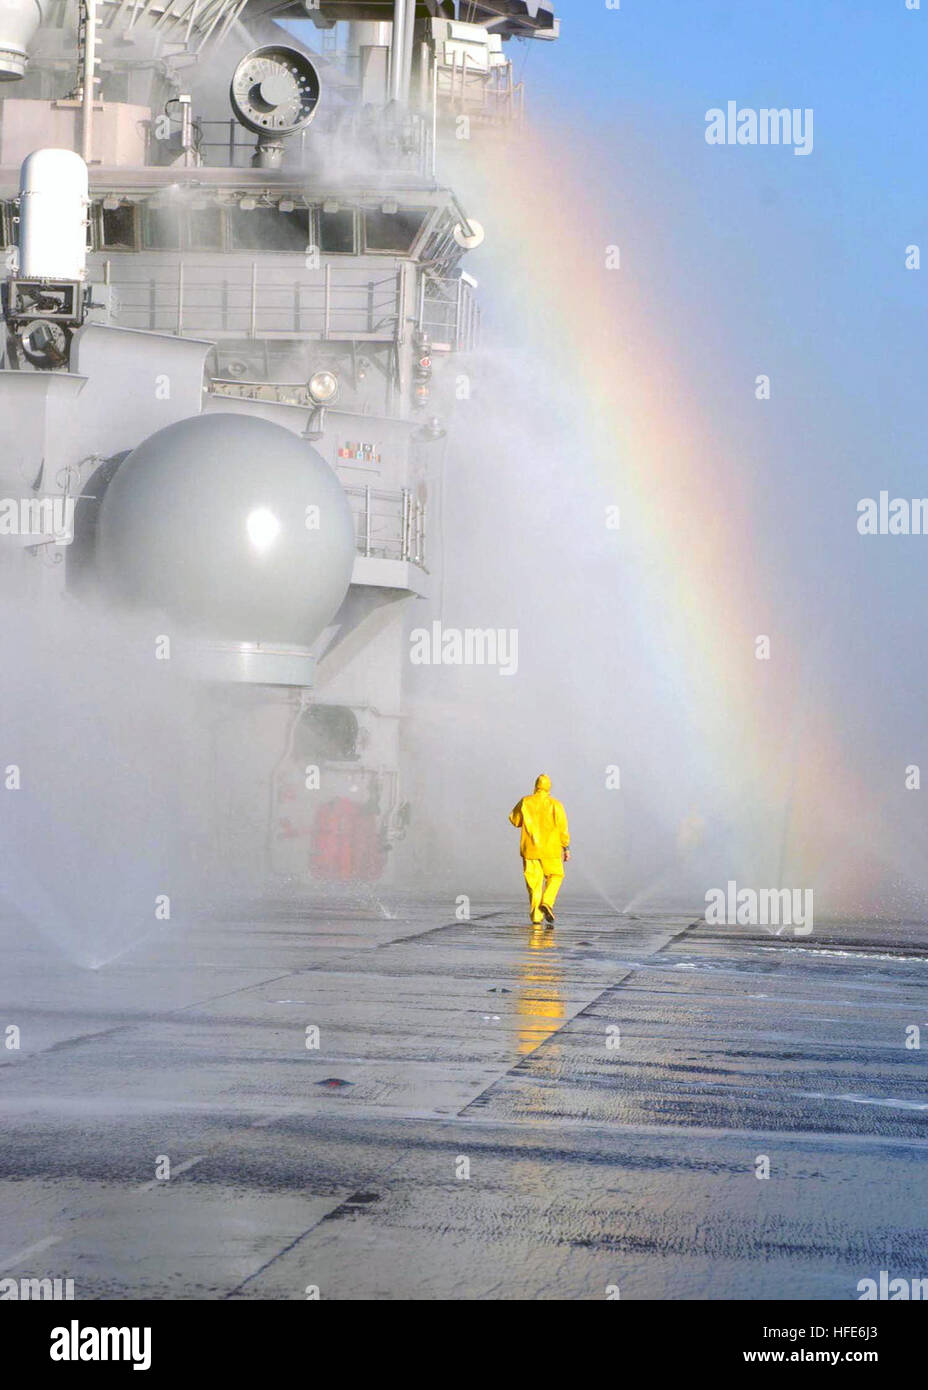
[(545, 837)]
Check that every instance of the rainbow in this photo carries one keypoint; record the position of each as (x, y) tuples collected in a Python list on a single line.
[(762, 727)]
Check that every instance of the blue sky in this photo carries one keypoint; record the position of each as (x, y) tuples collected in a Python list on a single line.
[(754, 259), (763, 260)]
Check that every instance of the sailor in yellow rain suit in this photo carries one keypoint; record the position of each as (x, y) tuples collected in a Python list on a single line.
[(544, 846)]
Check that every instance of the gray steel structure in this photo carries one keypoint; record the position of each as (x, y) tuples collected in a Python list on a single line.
[(217, 284)]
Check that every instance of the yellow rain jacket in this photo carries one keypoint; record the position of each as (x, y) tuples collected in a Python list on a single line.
[(543, 822)]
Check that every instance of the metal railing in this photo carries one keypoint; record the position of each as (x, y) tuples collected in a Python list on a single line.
[(401, 144), (259, 299), (389, 525), (449, 314), (488, 94)]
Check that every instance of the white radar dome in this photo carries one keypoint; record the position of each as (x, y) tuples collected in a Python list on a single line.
[(231, 525)]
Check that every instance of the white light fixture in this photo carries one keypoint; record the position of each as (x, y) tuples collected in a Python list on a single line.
[(330, 205), (247, 204), (285, 205)]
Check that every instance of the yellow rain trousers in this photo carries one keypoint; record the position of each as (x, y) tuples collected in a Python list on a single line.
[(543, 822)]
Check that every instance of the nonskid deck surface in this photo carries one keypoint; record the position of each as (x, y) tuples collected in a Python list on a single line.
[(490, 1112)]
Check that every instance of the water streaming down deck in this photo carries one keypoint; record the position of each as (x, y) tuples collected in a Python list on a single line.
[(612, 1085)]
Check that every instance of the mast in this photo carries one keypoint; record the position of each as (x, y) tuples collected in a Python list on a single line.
[(399, 67), (89, 59)]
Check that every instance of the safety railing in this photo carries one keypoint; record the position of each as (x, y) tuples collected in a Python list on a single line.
[(388, 525), (400, 142), (449, 314), (487, 94), (260, 299)]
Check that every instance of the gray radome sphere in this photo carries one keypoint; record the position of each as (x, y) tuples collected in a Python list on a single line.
[(231, 525)]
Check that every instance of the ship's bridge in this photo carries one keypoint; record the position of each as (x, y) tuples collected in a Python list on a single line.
[(267, 259)]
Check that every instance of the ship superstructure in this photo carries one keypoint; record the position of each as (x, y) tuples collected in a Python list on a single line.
[(293, 258)]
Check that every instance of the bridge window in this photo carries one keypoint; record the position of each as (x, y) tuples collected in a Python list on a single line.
[(118, 227), (337, 232), (392, 231), (204, 229), (268, 229), (162, 228)]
